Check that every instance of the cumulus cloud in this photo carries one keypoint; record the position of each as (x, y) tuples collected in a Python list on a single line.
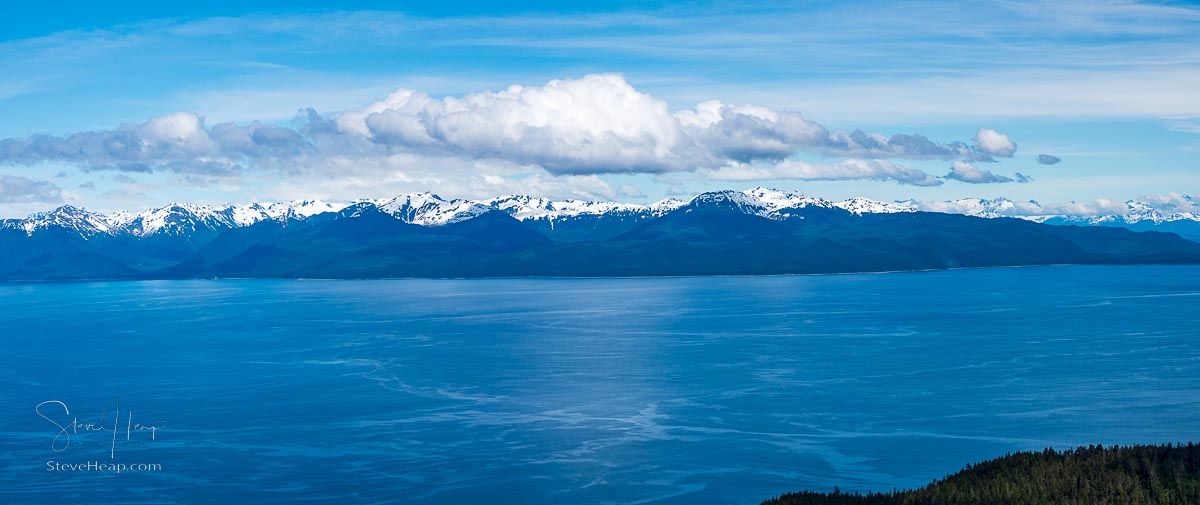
[(966, 172), (17, 189), (258, 140), (843, 170), (600, 123), (992, 142), (176, 142), (573, 127), (591, 125), (1046, 159)]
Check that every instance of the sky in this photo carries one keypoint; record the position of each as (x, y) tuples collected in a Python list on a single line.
[(133, 105)]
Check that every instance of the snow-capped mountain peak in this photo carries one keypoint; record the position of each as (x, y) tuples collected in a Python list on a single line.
[(665, 205), (428, 209), (179, 219), (764, 202), (774, 200), (860, 206), (983, 207), (66, 217), (1139, 211), (299, 209), (737, 200), (523, 207)]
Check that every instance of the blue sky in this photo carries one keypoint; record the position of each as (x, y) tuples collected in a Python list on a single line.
[(1107, 87)]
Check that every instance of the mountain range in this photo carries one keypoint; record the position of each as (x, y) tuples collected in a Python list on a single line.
[(1138, 216), (756, 231)]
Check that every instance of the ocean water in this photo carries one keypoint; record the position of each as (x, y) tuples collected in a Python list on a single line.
[(660, 390)]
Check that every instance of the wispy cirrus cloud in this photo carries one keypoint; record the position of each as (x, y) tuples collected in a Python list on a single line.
[(996, 58)]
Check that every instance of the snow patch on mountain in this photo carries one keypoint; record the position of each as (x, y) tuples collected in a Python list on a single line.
[(524, 208), (67, 217), (763, 202), (860, 206), (1139, 211), (178, 219), (774, 200), (299, 209), (428, 209)]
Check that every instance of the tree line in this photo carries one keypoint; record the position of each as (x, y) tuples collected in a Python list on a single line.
[(1091, 475)]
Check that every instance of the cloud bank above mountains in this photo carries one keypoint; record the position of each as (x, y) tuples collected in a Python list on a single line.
[(571, 129), (1166, 204)]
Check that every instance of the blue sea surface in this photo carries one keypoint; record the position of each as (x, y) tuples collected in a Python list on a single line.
[(652, 390)]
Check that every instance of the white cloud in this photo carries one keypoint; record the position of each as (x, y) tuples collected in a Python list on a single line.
[(177, 142), (553, 140), (595, 124), (592, 125), (994, 143), (1172, 202), (966, 172), (601, 124), (18, 189)]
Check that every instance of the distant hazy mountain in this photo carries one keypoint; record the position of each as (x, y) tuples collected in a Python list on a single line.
[(1138, 216), (757, 231)]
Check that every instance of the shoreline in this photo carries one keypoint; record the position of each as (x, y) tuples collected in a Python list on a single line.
[(586, 277)]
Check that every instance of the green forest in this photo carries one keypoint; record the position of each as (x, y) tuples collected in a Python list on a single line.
[(1093, 475)]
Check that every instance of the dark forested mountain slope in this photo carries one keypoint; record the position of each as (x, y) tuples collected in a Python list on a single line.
[(422, 236), (1137, 475)]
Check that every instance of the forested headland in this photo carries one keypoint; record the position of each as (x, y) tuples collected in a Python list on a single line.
[(1093, 475)]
